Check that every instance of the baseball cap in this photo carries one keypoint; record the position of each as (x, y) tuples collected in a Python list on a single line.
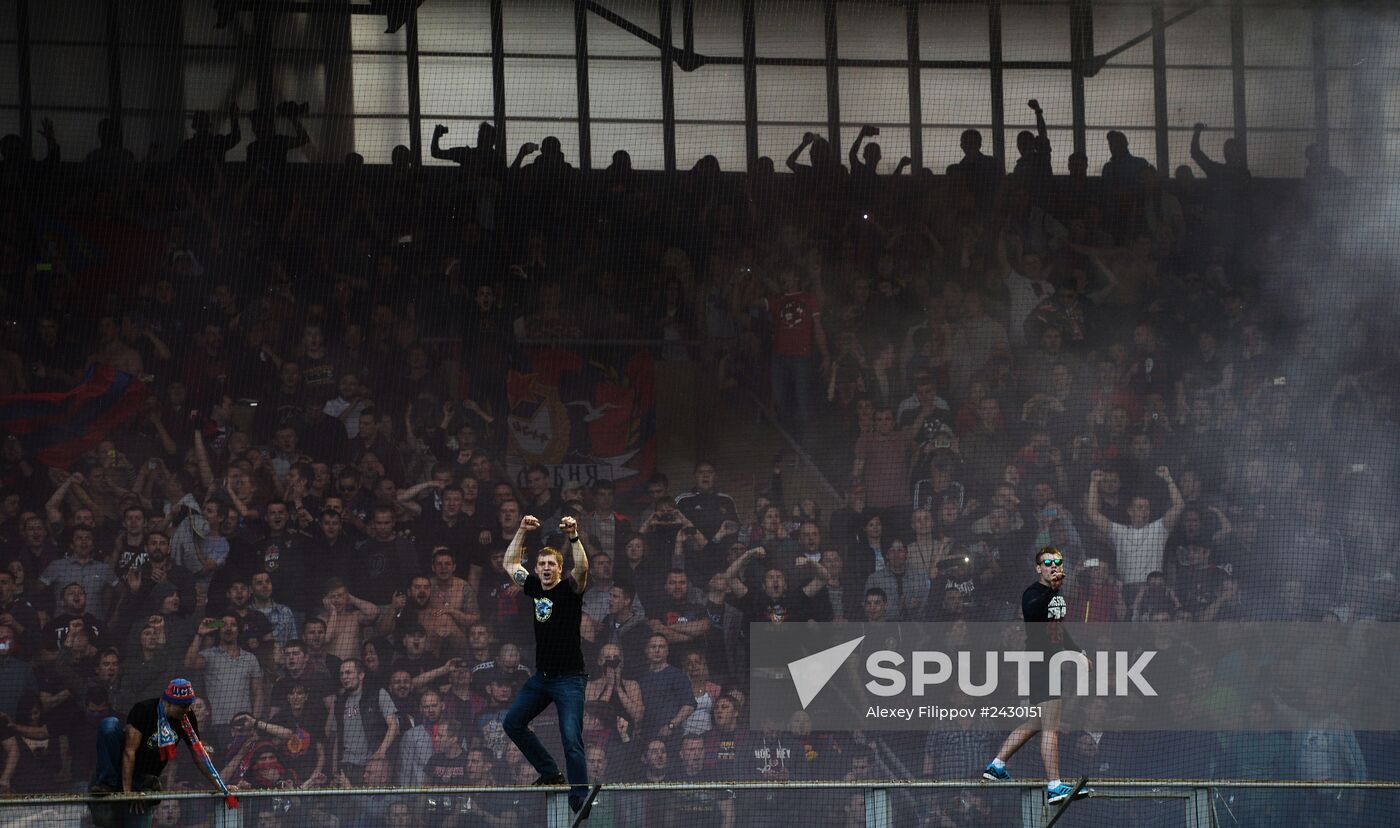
[(179, 691)]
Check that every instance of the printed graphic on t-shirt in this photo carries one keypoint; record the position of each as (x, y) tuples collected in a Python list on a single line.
[(544, 608)]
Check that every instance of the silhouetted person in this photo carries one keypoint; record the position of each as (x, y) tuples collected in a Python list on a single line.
[(482, 158), (110, 156), (205, 146), (269, 150), (1122, 183), (1230, 185), (1034, 167), (980, 173)]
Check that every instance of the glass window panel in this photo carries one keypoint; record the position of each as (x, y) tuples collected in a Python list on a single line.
[(711, 93), (1141, 142), (783, 28), (1345, 41), (605, 39), (298, 31), (1118, 97), (1344, 153), (1275, 35), (1035, 32), (542, 27), (199, 17), (777, 141), (303, 85), (7, 21), (719, 27), (1339, 103), (1278, 154), (1389, 103), (952, 97), (542, 88), (874, 96), (142, 23), (792, 93), (1205, 95), (953, 32), (367, 32), (866, 31), (150, 79), (893, 140), (9, 69), (69, 75), (1278, 98), (456, 87), (381, 85), (375, 138), (644, 142), (1202, 37), (1116, 24), (461, 132), (455, 27), (139, 132), (622, 89), (1050, 87), (9, 124), (68, 21), (725, 143), (210, 84)]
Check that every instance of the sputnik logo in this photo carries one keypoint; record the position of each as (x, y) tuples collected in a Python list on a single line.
[(811, 673)]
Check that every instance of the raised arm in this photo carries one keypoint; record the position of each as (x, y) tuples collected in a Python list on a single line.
[(736, 584), (866, 131), (1205, 162), (1178, 502), (569, 527), (438, 152), (807, 139), (1096, 517), (818, 583), (516, 551)]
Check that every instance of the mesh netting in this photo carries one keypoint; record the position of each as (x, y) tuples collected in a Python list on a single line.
[(302, 316)]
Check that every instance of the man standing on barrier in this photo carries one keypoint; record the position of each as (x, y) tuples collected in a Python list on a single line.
[(130, 758), (560, 675), (1044, 610)]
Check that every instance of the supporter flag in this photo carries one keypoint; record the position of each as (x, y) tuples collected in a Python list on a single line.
[(58, 427), (585, 415)]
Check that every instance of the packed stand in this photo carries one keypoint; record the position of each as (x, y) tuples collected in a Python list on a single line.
[(310, 526)]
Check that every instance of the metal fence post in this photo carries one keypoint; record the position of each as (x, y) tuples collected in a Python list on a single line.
[(877, 808)]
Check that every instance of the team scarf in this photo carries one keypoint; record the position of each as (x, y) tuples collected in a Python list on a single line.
[(166, 740), (203, 756)]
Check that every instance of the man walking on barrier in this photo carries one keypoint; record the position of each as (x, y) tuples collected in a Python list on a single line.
[(560, 676)]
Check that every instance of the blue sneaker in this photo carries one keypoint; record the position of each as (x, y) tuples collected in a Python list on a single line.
[(993, 774), (1061, 792)]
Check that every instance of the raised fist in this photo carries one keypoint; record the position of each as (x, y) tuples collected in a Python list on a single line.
[(568, 526), (529, 523)]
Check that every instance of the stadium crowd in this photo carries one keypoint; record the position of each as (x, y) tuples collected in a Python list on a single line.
[(308, 515)]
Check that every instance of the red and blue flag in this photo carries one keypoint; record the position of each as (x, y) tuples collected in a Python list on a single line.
[(59, 427)]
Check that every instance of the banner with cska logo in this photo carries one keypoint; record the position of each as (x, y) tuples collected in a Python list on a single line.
[(587, 414)]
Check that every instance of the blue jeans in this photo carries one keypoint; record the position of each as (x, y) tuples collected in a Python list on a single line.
[(566, 692), (793, 380), (111, 745)]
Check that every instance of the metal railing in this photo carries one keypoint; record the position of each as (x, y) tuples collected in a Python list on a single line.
[(1198, 795)]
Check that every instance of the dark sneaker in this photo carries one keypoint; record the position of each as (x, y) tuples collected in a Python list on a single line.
[(578, 802), (1061, 792), (550, 779)]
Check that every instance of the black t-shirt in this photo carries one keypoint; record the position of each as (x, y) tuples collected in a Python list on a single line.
[(143, 717), (558, 613), (446, 770), (791, 607), (1044, 610)]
